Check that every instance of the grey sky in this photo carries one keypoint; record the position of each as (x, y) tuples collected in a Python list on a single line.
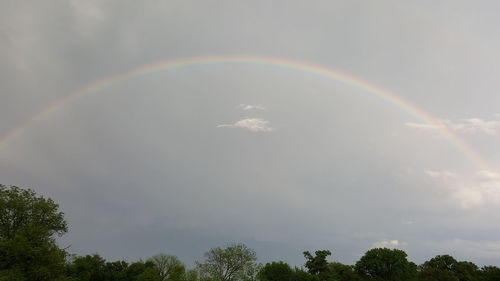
[(183, 160)]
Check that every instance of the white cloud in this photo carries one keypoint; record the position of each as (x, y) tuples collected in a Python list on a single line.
[(251, 124), (386, 244), (250, 107), (422, 126), (487, 175), (470, 190), (463, 126), (474, 126)]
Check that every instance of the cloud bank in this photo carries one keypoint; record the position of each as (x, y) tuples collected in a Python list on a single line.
[(250, 107), (470, 191), (473, 126)]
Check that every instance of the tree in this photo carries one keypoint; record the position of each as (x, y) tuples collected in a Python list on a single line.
[(490, 273), (438, 268), (447, 268), (466, 271), (250, 272), (137, 268), (169, 267), (227, 264), (191, 275), (317, 265), (342, 272), (87, 268), (301, 275), (382, 264), (28, 226), (275, 271)]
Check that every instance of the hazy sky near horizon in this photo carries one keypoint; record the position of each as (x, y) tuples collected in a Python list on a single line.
[(284, 160)]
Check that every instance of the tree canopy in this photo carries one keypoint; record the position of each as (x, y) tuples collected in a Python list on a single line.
[(28, 224), (383, 264), (227, 264)]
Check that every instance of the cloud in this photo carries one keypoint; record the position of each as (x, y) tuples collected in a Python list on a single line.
[(386, 244), (251, 124), (250, 107), (487, 175), (462, 126), (422, 126), (470, 190)]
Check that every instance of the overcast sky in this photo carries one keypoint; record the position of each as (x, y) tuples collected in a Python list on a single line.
[(182, 160)]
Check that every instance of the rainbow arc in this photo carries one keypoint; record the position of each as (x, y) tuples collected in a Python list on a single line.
[(307, 67)]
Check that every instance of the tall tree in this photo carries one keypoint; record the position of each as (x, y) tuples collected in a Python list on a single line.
[(227, 264), (169, 267), (276, 271), (447, 268), (439, 268), (317, 264), (490, 273), (342, 272), (383, 264), (28, 226)]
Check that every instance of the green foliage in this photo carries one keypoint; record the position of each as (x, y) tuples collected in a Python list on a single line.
[(301, 275), (438, 268), (250, 272), (466, 271), (191, 275), (28, 224), (447, 268), (342, 272), (227, 264), (276, 271), (490, 273), (317, 265), (168, 267), (150, 274), (87, 268), (137, 268), (95, 268), (382, 264)]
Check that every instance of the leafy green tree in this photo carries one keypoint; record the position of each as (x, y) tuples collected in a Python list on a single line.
[(317, 265), (191, 275), (136, 268), (276, 271), (342, 272), (28, 226), (169, 267), (382, 264), (250, 272), (466, 271), (227, 264), (87, 268), (301, 275), (149, 274), (116, 271), (438, 268), (447, 268), (490, 273)]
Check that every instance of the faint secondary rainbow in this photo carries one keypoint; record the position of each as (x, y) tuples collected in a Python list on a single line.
[(307, 67)]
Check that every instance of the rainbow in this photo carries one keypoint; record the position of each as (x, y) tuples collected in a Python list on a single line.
[(386, 95)]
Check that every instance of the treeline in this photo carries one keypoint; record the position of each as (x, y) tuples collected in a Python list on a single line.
[(29, 225), (237, 263)]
